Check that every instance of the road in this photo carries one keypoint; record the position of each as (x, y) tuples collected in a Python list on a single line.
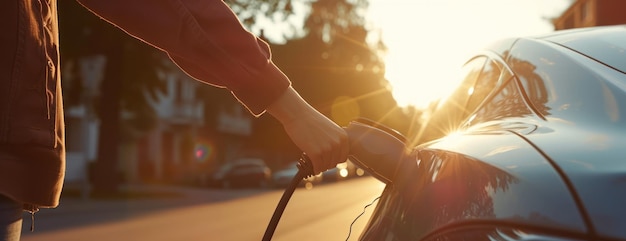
[(322, 213)]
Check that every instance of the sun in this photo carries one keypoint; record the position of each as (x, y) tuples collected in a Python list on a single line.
[(428, 41), (418, 81)]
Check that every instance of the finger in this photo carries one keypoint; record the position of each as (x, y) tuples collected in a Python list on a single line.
[(340, 148), (344, 148), (317, 161), (334, 156)]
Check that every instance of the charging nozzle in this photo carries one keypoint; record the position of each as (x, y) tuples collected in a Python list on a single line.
[(305, 166), (377, 149)]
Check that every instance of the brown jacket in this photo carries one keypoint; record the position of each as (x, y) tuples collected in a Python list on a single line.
[(203, 37)]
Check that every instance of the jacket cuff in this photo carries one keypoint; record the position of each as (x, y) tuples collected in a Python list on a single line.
[(258, 95)]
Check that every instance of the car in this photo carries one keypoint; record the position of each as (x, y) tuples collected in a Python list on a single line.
[(530, 146), (283, 177), (242, 172)]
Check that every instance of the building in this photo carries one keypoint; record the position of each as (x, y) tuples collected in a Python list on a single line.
[(180, 146), (178, 112), (167, 150), (587, 13)]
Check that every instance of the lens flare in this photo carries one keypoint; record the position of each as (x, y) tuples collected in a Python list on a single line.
[(203, 151)]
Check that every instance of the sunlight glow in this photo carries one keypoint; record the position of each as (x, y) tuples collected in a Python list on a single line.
[(345, 109), (453, 135), (429, 40)]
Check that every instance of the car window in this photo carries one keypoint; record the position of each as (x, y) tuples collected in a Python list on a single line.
[(507, 102), (450, 112), (480, 77), (457, 101), (485, 84)]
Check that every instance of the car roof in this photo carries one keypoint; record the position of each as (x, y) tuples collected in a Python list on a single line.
[(604, 44)]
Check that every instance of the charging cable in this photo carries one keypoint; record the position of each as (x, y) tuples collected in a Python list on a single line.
[(305, 169)]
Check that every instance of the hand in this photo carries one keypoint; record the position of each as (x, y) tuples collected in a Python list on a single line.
[(323, 141)]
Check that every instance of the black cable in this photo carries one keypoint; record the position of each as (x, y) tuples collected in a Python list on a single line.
[(305, 169), (357, 217)]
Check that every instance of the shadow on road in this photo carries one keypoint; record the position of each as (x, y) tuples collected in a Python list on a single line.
[(75, 211)]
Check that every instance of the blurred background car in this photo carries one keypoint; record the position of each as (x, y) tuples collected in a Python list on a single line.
[(343, 171), (243, 172), (283, 177), (530, 146)]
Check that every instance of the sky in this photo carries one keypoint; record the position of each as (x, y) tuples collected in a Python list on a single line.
[(429, 40)]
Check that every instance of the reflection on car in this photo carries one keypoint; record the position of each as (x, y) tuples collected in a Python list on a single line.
[(243, 172), (538, 151)]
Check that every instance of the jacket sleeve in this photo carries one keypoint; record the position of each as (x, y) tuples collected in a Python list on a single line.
[(206, 40)]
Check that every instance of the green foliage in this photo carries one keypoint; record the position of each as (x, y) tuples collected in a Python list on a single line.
[(330, 19), (249, 10)]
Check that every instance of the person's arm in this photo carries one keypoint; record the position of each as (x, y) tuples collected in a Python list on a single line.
[(205, 38)]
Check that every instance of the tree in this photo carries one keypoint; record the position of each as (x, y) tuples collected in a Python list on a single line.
[(275, 11)]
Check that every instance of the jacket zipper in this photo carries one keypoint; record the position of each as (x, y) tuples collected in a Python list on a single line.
[(32, 209)]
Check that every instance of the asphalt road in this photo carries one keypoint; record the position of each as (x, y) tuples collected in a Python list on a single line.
[(322, 213)]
